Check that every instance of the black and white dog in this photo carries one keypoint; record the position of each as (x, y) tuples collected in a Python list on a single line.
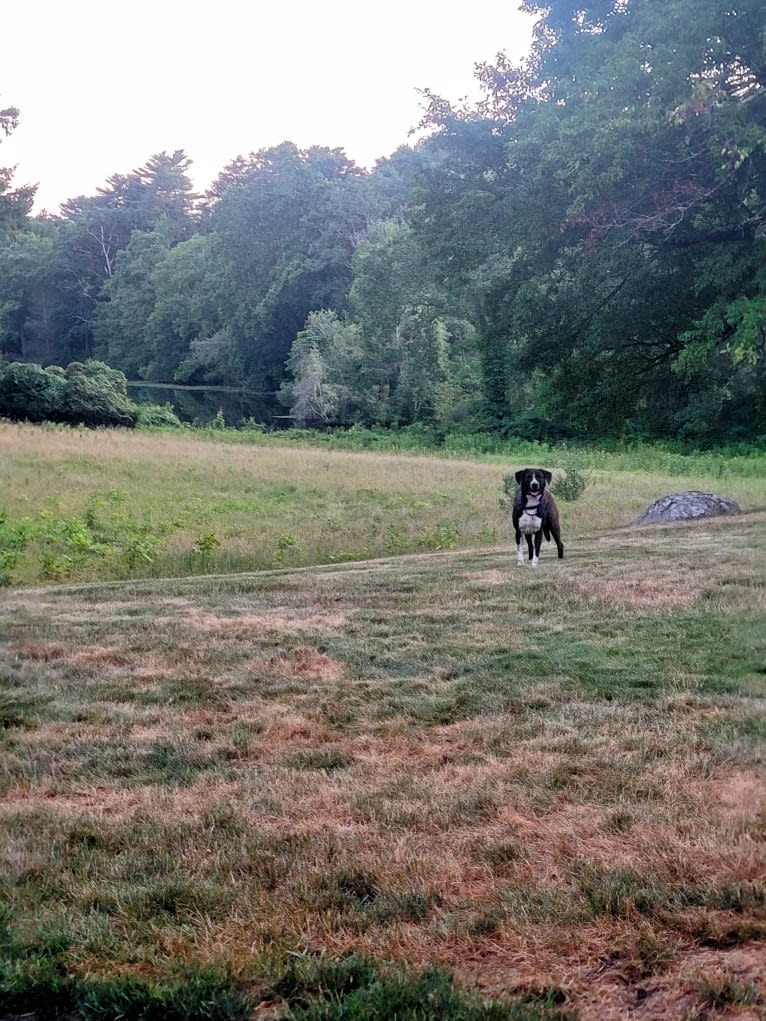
[(535, 514)]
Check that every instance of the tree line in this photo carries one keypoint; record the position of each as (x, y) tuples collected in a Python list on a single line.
[(580, 254)]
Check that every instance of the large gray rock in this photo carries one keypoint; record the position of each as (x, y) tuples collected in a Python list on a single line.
[(685, 507)]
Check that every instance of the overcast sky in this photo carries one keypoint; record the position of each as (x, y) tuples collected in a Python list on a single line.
[(102, 86)]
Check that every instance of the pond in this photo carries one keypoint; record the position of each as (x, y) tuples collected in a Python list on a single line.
[(201, 404)]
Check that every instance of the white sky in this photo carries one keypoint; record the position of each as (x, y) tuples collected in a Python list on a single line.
[(102, 86)]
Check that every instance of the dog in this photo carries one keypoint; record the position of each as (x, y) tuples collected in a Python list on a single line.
[(535, 514)]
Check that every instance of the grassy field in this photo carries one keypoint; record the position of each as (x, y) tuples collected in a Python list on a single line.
[(84, 505), (434, 786)]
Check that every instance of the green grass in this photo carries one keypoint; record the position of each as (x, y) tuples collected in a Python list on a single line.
[(437, 785), (352, 991)]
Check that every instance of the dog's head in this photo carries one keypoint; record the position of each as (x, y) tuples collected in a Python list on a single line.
[(533, 480)]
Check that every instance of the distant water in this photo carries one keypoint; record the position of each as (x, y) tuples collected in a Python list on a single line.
[(201, 404)]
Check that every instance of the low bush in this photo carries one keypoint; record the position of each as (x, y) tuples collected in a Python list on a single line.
[(31, 393), (572, 483), (85, 393), (156, 416)]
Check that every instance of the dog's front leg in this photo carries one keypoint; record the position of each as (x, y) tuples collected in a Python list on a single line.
[(519, 541), (534, 553)]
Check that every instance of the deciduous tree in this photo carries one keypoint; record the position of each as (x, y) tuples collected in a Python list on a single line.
[(629, 206), (15, 203)]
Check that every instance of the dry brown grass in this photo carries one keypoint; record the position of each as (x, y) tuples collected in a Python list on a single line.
[(659, 592), (440, 759)]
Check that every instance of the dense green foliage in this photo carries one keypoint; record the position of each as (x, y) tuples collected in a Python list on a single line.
[(85, 393), (580, 255), (621, 177), (89, 393)]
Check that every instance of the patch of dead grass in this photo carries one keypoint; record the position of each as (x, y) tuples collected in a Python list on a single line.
[(588, 961), (278, 622), (102, 656), (675, 994), (102, 802), (490, 578), (40, 650), (284, 732), (647, 592), (305, 663), (739, 793)]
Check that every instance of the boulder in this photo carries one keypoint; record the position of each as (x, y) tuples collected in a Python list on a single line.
[(686, 507)]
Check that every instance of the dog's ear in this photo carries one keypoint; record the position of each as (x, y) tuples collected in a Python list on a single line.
[(548, 475), (520, 475)]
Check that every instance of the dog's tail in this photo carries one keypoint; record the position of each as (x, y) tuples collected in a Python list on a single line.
[(547, 534)]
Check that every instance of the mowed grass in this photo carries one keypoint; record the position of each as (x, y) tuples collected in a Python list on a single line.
[(430, 786), (84, 505)]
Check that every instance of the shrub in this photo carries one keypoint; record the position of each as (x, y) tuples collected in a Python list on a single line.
[(87, 393), (150, 416), (96, 395), (572, 484), (29, 392), (510, 487)]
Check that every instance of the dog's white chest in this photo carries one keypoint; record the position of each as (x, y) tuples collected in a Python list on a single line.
[(530, 521), (529, 524)]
